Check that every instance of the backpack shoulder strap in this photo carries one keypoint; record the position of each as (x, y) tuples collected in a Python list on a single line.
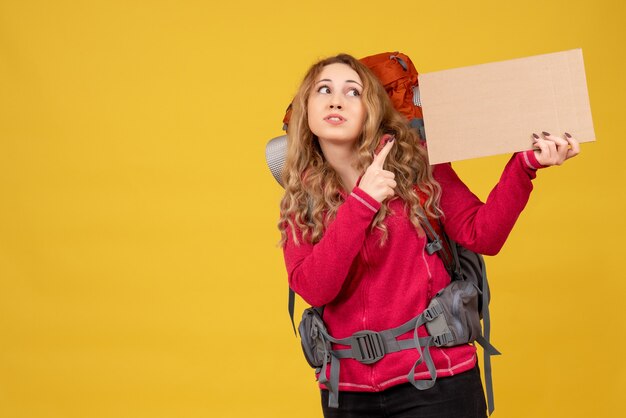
[(291, 306), (448, 251), (439, 242)]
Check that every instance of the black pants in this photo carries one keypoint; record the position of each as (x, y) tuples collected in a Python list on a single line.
[(459, 396)]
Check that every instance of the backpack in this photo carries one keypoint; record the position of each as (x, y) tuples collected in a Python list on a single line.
[(454, 314)]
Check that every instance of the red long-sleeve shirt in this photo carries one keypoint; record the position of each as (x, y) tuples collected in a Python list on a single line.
[(368, 287)]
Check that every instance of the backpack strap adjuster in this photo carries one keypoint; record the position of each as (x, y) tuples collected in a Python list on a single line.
[(367, 346), (434, 246), (399, 61), (443, 339), (433, 312)]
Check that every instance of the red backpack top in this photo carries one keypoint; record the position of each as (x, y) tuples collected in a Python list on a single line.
[(398, 75)]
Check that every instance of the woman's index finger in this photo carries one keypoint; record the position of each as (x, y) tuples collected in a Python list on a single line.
[(379, 159)]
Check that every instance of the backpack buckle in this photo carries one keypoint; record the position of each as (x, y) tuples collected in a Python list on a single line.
[(443, 339), (434, 246), (367, 347), (433, 312)]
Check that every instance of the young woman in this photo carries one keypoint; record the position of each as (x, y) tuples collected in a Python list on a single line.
[(354, 178)]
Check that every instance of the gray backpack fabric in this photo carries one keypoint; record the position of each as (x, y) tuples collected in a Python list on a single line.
[(459, 322), (312, 330)]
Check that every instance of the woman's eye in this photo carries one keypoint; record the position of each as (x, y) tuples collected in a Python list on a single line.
[(354, 93), (324, 90)]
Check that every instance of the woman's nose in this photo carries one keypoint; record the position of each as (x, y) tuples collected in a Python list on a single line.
[(336, 101)]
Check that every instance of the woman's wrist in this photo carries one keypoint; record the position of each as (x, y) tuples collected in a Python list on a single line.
[(365, 199), (530, 160)]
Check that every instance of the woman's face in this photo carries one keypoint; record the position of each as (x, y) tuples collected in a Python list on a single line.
[(335, 110)]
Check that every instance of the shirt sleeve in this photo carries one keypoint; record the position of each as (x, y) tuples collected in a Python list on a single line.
[(484, 227), (318, 271)]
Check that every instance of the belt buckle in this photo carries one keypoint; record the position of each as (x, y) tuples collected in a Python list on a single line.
[(367, 346)]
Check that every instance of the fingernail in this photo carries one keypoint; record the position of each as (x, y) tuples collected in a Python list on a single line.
[(535, 136), (388, 138), (567, 135), (546, 133), (393, 138)]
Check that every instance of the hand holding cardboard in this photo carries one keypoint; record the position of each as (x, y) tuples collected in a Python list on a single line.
[(494, 108), (554, 150)]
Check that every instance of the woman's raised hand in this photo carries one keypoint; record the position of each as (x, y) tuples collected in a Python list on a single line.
[(554, 150), (376, 182)]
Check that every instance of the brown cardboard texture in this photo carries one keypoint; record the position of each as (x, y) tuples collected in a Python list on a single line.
[(494, 108)]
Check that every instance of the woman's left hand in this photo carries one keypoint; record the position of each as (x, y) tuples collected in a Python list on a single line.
[(554, 150)]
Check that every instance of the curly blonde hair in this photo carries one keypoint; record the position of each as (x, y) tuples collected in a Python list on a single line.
[(312, 187)]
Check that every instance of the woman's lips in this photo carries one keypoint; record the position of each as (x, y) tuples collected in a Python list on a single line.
[(334, 119)]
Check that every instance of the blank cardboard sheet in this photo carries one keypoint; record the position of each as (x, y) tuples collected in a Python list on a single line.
[(494, 108)]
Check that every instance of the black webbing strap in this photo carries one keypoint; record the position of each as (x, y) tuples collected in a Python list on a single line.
[(440, 245), (291, 306)]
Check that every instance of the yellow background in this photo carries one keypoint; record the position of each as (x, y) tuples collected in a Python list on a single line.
[(139, 272)]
